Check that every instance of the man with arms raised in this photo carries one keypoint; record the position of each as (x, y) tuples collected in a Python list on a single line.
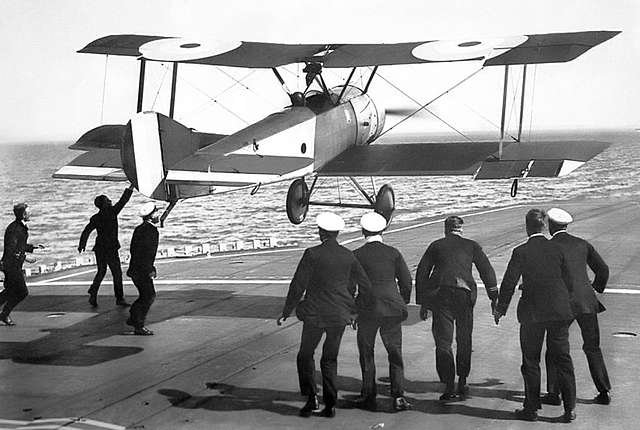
[(327, 276)]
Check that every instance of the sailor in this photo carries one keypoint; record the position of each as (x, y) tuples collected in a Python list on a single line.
[(105, 222), (13, 256), (391, 290), (579, 254), (544, 308), (144, 245), (445, 286), (327, 275)]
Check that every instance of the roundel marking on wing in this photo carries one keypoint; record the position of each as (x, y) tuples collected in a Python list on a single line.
[(452, 50), (182, 49)]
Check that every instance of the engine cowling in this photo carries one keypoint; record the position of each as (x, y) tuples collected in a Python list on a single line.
[(370, 116)]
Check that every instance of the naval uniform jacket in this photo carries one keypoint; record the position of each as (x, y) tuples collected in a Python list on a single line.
[(447, 263), (144, 245), (577, 252), (105, 222), (545, 293), (327, 276), (384, 265), (15, 246)]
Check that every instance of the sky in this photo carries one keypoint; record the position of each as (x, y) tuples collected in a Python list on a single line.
[(49, 92)]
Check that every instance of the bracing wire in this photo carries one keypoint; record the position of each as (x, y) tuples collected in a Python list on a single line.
[(214, 100), (164, 75), (239, 82), (424, 106), (104, 88), (513, 104)]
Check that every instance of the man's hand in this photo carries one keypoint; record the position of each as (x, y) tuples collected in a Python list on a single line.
[(80, 249), (354, 323), (282, 318), (496, 316), (425, 313), (131, 187), (153, 273), (494, 303)]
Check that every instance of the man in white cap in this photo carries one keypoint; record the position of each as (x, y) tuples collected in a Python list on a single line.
[(144, 245), (327, 276), (391, 291), (445, 286), (579, 254)]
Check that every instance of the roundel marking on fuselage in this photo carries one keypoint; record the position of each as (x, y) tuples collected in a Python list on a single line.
[(182, 49), (453, 50)]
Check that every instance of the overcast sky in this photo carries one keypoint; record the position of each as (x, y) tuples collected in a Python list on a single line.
[(49, 92)]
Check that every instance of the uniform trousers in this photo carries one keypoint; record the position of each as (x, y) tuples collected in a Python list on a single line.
[(109, 258), (453, 307), (15, 289), (146, 296), (591, 346), (531, 339), (311, 336), (391, 335)]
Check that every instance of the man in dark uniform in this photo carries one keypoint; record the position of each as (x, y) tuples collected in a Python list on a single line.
[(391, 291), (327, 276), (544, 307), (579, 254), (144, 245), (13, 256), (105, 222), (445, 286)]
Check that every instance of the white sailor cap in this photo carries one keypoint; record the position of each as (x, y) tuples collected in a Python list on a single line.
[(147, 209), (559, 216), (373, 222), (329, 221)]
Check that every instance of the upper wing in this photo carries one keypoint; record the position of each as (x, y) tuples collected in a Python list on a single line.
[(535, 48), (543, 159)]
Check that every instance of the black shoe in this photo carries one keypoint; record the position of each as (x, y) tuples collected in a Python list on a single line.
[(366, 403), (526, 414), (6, 319), (568, 416), (311, 405), (603, 398), (328, 412), (401, 404), (463, 388), (551, 399), (122, 302), (448, 396), (93, 300), (142, 331)]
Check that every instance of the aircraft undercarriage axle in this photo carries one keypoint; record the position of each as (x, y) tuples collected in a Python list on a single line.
[(298, 200)]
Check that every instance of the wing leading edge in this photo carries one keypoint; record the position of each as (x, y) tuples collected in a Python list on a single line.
[(529, 49), (540, 159)]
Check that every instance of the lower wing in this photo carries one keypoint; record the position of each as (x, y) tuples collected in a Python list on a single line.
[(482, 159)]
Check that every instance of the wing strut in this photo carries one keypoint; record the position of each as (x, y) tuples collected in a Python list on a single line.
[(143, 64), (373, 73), (504, 106), (174, 81), (346, 84), (524, 81)]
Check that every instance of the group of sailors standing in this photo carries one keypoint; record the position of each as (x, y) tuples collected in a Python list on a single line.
[(370, 287), (144, 245)]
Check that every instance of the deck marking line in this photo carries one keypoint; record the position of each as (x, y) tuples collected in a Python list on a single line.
[(411, 227), (3, 421), (63, 277), (176, 281), (621, 291), (100, 424)]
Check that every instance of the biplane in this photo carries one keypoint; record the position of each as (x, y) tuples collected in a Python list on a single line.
[(325, 131)]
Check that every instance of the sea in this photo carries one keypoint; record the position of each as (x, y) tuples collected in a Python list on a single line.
[(61, 208)]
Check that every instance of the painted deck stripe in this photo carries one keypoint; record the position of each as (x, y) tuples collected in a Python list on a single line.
[(172, 282)]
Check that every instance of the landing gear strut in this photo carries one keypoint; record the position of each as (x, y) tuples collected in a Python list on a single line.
[(298, 201)]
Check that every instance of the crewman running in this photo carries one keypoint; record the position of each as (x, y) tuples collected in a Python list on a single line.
[(105, 222), (13, 256), (445, 285), (327, 275), (391, 290), (579, 254), (144, 245)]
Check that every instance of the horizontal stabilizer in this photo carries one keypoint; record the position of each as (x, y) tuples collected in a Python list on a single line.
[(95, 165), (102, 137)]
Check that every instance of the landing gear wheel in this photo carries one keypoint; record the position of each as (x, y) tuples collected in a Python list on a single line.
[(385, 202), (297, 201)]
